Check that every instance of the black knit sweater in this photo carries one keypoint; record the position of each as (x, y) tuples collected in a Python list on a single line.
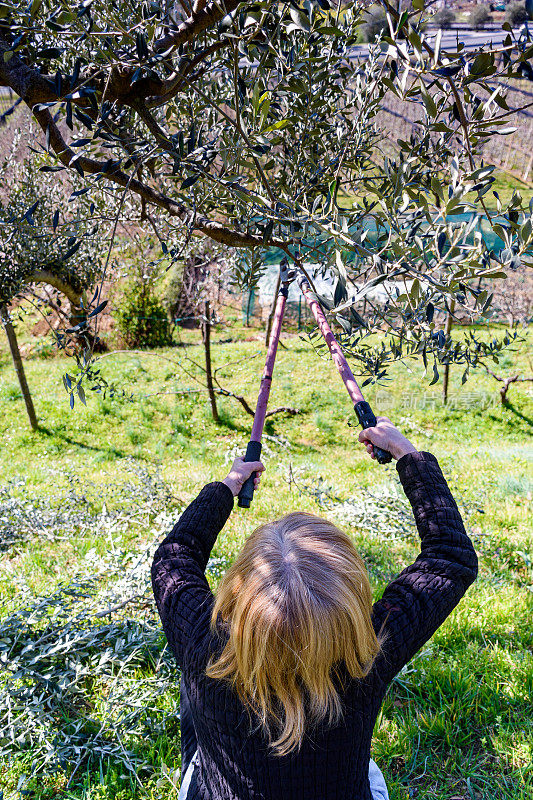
[(332, 763)]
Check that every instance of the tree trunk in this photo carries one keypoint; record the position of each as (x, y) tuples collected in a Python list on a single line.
[(447, 330), (272, 310), (248, 305), (86, 338), (206, 338), (19, 367)]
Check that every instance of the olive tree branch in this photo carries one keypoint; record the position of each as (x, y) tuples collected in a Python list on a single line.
[(28, 84), (195, 24), (240, 131), (173, 83), (460, 108)]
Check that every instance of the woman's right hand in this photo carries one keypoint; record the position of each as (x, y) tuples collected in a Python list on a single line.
[(240, 471), (386, 436)]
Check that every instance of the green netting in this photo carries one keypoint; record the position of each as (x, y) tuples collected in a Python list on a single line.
[(493, 242)]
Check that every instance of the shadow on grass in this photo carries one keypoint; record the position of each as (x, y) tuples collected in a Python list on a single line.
[(110, 449), (227, 421), (528, 420)]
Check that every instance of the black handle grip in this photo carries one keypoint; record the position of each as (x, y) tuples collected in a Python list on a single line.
[(253, 453), (366, 418)]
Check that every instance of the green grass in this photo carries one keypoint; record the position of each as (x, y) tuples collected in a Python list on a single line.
[(458, 720), (505, 185)]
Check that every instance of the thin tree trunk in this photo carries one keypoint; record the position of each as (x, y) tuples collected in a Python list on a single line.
[(248, 306), (272, 310), (19, 367), (446, 376), (206, 338)]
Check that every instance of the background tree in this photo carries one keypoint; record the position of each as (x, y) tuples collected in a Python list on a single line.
[(516, 14), (39, 243), (508, 380), (255, 125), (138, 311), (479, 17), (37, 246), (375, 24), (444, 18)]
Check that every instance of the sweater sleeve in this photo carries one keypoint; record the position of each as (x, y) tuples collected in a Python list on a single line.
[(181, 591), (418, 601)]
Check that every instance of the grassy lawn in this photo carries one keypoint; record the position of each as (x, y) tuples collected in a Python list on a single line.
[(93, 489), (505, 185)]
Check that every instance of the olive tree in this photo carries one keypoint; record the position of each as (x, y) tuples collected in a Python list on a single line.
[(38, 246), (257, 124)]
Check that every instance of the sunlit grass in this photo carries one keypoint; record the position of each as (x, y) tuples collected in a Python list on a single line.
[(458, 721)]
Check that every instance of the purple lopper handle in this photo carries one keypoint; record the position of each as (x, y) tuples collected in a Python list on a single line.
[(253, 453)]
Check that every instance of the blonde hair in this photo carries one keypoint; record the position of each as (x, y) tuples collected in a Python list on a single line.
[(296, 604)]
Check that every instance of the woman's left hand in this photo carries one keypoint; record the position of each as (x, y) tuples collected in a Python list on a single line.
[(240, 471)]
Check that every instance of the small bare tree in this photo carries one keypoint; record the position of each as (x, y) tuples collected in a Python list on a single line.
[(509, 380)]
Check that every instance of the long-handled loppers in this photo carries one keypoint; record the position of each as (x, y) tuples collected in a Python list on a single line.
[(365, 415), (253, 451)]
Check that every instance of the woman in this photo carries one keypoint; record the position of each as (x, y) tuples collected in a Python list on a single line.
[(284, 673)]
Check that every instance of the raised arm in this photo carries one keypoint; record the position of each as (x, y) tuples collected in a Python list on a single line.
[(181, 591), (418, 601)]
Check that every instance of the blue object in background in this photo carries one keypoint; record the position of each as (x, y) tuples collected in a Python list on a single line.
[(493, 242), (248, 305)]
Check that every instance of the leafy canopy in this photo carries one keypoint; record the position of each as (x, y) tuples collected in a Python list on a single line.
[(37, 245), (257, 124)]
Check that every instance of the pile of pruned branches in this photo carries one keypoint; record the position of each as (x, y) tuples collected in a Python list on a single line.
[(85, 677)]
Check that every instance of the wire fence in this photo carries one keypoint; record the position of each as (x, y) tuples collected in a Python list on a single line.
[(512, 153)]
